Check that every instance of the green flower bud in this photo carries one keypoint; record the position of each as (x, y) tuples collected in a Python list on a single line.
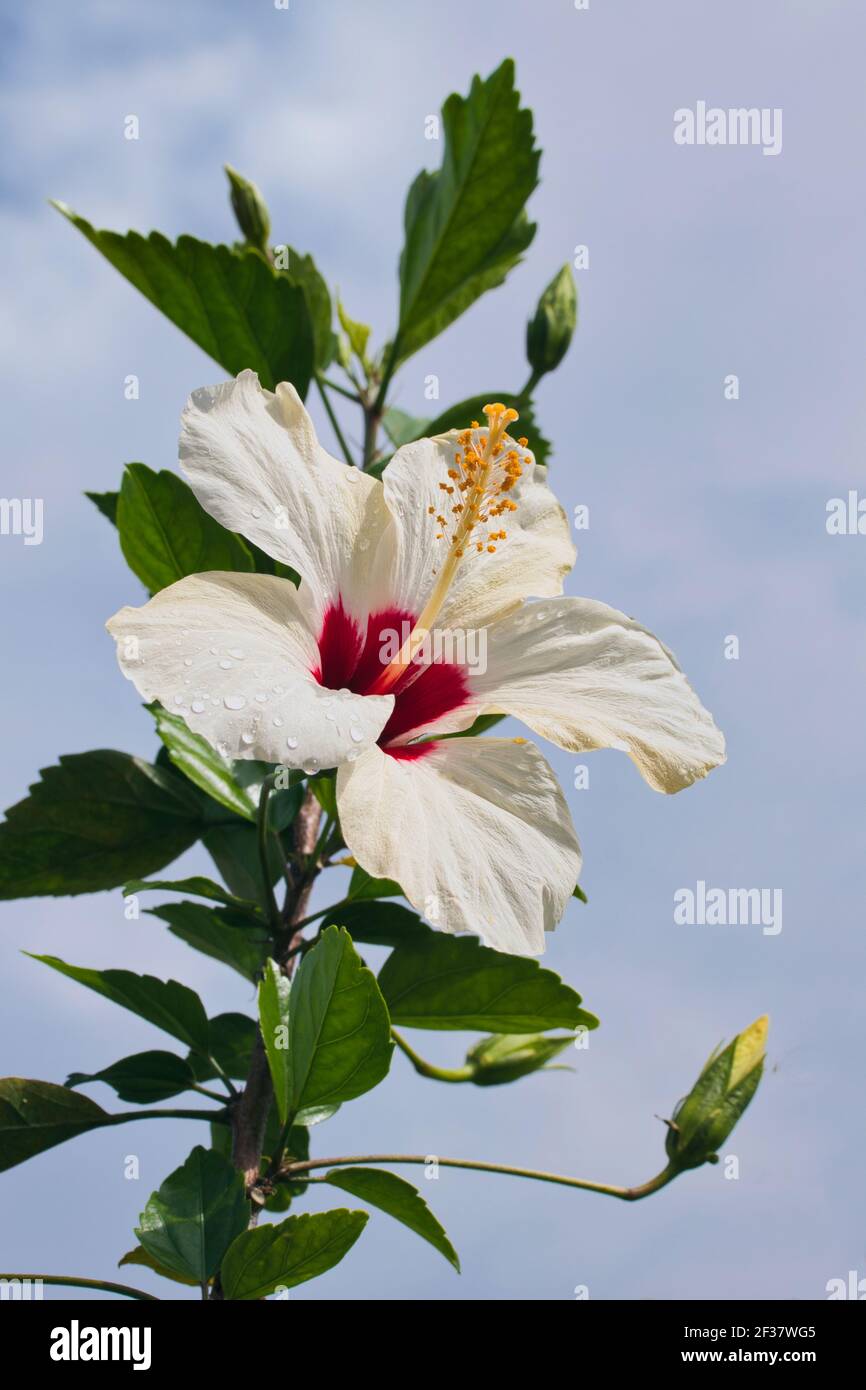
[(250, 210), (549, 333), (705, 1117), (506, 1057)]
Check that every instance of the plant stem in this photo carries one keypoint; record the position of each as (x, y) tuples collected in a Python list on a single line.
[(531, 383), (249, 1113), (335, 424), (73, 1281), (427, 1068), (625, 1194), (341, 390)]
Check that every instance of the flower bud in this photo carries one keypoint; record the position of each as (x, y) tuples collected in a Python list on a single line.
[(250, 210), (506, 1057), (705, 1117), (549, 333)]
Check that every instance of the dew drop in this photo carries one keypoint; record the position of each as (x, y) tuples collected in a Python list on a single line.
[(311, 767), (226, 665), (256, 512), (187, 661), (234, 701), (278, 722), (197, 707), (291, 743), (214, 651), (261, 697), (178, 699), (356, 734), (236, 653), (248, 738)]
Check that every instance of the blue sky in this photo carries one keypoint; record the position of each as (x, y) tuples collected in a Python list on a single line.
[(707, 519)]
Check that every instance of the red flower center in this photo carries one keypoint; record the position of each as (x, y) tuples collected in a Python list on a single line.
[(352, 658)]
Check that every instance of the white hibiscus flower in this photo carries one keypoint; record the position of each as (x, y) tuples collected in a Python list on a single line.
[(461, 531)]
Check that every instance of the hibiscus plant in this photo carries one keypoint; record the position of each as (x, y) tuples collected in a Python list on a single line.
[(325, 644)]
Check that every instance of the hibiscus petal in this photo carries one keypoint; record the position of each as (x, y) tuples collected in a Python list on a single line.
[(584, 675), (233, 654), (254, 463), (476, 832), (534, 559)]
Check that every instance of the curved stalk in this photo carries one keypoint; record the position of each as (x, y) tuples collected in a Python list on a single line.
[(75, 1282), (625, 1194), (425, 1068)]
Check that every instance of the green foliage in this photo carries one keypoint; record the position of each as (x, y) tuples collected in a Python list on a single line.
[(271, 1257), (439, 981), (220, 933), (188, 1225), (399, 1199), (106, 502), (201, 763), (166, 1004), (198, 886), (336, 1026), (230, 1043), (165, 534), (465, 224), (93, 822), (36, 1115), (233, 304), (143, 1078), (377, 923)]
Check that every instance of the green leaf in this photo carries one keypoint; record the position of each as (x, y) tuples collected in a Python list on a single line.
[(439, 981), (399, 1199), (189, 1224), (460, 416), (551, 329), (579, 894), (139, 1256), (230, 1041), (508, 1056), (231, 303), (324, 788), (402, 428), (142, 1078), (302, 271), (362, 886), (198, 886), (274, 992), (165, 533), (92, 823), (223, 935), (235, 851), (201, 763), (465, 225), (282, 1256), (36, 1115), (357, 333), (339, 1032), (106, 502), (168, 1005), (377, 923), (479, 726)]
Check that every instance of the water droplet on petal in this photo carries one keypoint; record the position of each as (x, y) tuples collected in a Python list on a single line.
[(197, 707), (226, 665), (291, 743), (234, 701), (311, 767), (356, 735), (178, 699), (278, 723), (256, 512), (187, 661), (248, 738), (236, 653)]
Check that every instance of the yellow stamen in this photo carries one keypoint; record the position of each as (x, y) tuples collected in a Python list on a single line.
[(488, 464)]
